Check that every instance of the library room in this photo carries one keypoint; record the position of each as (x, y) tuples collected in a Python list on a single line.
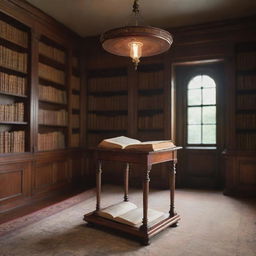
[(127, 128)]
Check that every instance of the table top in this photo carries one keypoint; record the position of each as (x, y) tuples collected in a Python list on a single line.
[(135, 156)]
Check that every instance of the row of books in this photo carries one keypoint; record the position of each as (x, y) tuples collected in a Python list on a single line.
[(50, 93), (51, 117), (75, 62), (151, 80), (75, 121), (246, 60), (246, 141), (246, 121), (51, 74), (52, 52), (12, 84), (75, 83), (12, 59), (12, 112), (94, 138), (246, 82), (50, 141), (99, 84), (119, 102), (107, 122), (75, 101), (151, 122), (75, 140), (151, 102), (246, 101), (13, 34), (12, 142)]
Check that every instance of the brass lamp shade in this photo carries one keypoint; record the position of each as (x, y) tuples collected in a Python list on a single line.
[(155, 40)]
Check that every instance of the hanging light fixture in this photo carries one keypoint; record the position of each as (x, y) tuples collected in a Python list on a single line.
[(136, 40)]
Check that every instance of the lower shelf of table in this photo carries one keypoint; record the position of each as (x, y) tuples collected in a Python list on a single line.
[(140, 234)]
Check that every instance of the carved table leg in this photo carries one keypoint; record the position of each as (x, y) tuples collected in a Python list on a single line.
[(145, 199), (172, 190), (126, 182), (98, 185)]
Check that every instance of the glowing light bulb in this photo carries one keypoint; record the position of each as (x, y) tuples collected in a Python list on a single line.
[(135, 52)]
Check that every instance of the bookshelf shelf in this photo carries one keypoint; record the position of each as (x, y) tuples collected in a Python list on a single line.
[(14, 95), (149, 112), (12, 71), (53, 103), (44, 81), (246, 91), (151, 130), (108, 93), (108, 112), (150, 92), (53, 125), (51, 62), (250, 130), (107, 131), (12, 45), (246, 72), (13, 123)]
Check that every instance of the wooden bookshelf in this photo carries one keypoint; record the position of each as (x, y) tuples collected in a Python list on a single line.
[(14, 86), (246, 96), (52, 95), (75, 126), (107, 104), (150, 109)]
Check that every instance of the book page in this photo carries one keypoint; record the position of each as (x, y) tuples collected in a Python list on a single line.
[(152, 145), (117, 142), (134, 217), (115, 210)]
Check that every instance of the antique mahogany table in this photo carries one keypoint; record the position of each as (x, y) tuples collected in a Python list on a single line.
[(146, 160)]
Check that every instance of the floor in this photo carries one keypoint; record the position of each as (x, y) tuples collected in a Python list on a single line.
[(212, 224)]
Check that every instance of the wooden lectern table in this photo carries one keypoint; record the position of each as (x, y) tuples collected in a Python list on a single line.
[(146, 160)]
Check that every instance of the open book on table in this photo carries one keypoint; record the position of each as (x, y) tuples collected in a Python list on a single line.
[(126, 143), (129, 214)]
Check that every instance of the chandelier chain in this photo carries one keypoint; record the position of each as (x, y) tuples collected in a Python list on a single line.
[(136, 6)]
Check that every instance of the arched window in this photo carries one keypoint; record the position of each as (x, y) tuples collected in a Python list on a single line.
[(201, 111)]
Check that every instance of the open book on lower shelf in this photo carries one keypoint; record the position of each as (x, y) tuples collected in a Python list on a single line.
[(129, 214)]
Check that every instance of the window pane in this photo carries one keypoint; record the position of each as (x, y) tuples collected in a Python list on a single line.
[(194, 115), (209, 134), (209, 115), (194, 97), (194, 134), (209, 96), (195, 82), (208, 81)]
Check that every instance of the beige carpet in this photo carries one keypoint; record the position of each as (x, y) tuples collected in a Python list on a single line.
[(212, 224)]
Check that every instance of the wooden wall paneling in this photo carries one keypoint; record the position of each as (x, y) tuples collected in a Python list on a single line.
[(51, 170), (77, 166), (15, 184), (61, 174)]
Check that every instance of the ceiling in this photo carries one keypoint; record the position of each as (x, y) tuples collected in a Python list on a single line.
[(92, 17)]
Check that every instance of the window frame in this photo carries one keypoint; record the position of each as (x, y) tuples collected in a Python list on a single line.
[(200, 72)]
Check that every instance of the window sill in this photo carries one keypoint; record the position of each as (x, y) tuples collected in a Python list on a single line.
[(201, 148)]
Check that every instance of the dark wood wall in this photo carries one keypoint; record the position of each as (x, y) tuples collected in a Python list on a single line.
[(192, 45)]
